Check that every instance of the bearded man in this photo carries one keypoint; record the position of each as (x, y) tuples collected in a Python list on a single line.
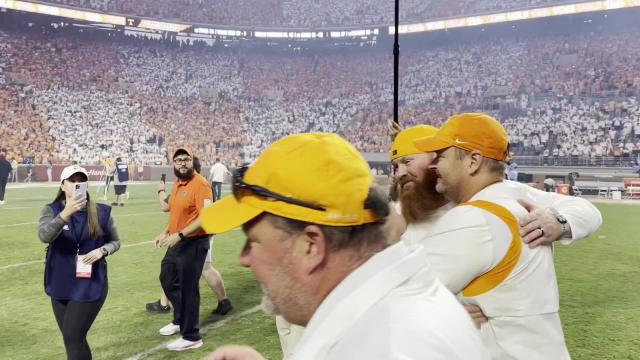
[(462, 261), (182, 264)]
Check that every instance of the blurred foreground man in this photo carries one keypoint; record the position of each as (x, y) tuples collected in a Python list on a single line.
[(318, 245), (476, 248)]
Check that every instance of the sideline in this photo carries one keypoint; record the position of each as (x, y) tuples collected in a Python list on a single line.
[(203, 330)]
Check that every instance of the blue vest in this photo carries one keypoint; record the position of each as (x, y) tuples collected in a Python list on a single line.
[(60, 281), (122, 172)]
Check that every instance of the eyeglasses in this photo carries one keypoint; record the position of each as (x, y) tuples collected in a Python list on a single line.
[(184, 160), (239, 184)]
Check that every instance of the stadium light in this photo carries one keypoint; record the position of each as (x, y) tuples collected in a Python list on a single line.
[(534, 13), (62, 12)]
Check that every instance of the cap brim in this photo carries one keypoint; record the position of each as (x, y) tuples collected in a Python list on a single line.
[(185, 150), (227, 214), (431, 144), (86, 176)]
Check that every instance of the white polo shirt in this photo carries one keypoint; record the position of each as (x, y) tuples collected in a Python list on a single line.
[(391, 307), (468, 242)]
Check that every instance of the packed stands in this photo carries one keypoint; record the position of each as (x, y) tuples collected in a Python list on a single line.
[(300, 13), (85, 94)]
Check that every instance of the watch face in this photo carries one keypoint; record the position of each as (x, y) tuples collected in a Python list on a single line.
[(561, 219)]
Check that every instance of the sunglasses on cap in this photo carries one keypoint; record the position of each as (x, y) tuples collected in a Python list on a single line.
[(239, 184)]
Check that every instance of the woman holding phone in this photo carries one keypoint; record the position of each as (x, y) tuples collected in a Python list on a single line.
[(80, 234)]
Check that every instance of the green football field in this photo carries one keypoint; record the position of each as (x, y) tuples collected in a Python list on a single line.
[(599, 279)]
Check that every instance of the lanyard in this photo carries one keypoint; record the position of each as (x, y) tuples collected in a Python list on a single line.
[(78, 231)]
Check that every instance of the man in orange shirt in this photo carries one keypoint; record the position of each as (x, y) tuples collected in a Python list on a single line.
[(182, 265)]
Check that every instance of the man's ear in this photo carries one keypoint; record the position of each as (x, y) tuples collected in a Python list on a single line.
[(475, 160), (311, 248)]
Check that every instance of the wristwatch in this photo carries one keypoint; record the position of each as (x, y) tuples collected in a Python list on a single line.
[(181, 235), (104, 251), (161, 190), (562, 220)]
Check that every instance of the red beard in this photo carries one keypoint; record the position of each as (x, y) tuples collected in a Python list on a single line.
[(421, 200)]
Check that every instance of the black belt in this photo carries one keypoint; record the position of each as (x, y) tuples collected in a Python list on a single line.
[(197, 237)]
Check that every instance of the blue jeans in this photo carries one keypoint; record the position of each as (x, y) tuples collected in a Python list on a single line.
[(217, 189)]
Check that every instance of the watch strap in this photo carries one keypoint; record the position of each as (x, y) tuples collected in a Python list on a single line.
[(561, 220)]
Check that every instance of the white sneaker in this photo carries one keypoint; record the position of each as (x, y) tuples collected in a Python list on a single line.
[(170, 329), (182, 344), (1, 202)]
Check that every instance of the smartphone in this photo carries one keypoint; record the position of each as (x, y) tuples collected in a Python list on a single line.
[(163, 178), (81, 190)]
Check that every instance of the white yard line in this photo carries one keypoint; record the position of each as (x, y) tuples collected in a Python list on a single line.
[(18, 224), (122, 247), (42, 260), (203, 330), (115, 215)]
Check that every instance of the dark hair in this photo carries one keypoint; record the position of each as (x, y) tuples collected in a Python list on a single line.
[(197, 166), (92, 213), (118, 159), (342, 237)]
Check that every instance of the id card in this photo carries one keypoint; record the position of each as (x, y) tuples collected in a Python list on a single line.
[(82, 270)]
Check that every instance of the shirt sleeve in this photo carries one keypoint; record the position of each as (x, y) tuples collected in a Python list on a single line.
[(461, 247), (583, 217), (49, 226), (203, 196), (113, 244)]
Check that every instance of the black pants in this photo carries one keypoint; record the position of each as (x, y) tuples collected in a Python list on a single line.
[(74, 320), (3, 186), (180, 272)]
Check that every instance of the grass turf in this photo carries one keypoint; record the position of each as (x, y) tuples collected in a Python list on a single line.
[(598, 279)]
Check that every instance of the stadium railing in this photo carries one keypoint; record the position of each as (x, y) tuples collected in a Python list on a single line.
[(576, 161)]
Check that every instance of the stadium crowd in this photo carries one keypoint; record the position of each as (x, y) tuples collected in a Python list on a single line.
[(299, 13), (82, 97)]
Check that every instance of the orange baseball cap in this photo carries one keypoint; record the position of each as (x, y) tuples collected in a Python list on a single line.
[(403, 144), (470, 132), (183, 149)]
